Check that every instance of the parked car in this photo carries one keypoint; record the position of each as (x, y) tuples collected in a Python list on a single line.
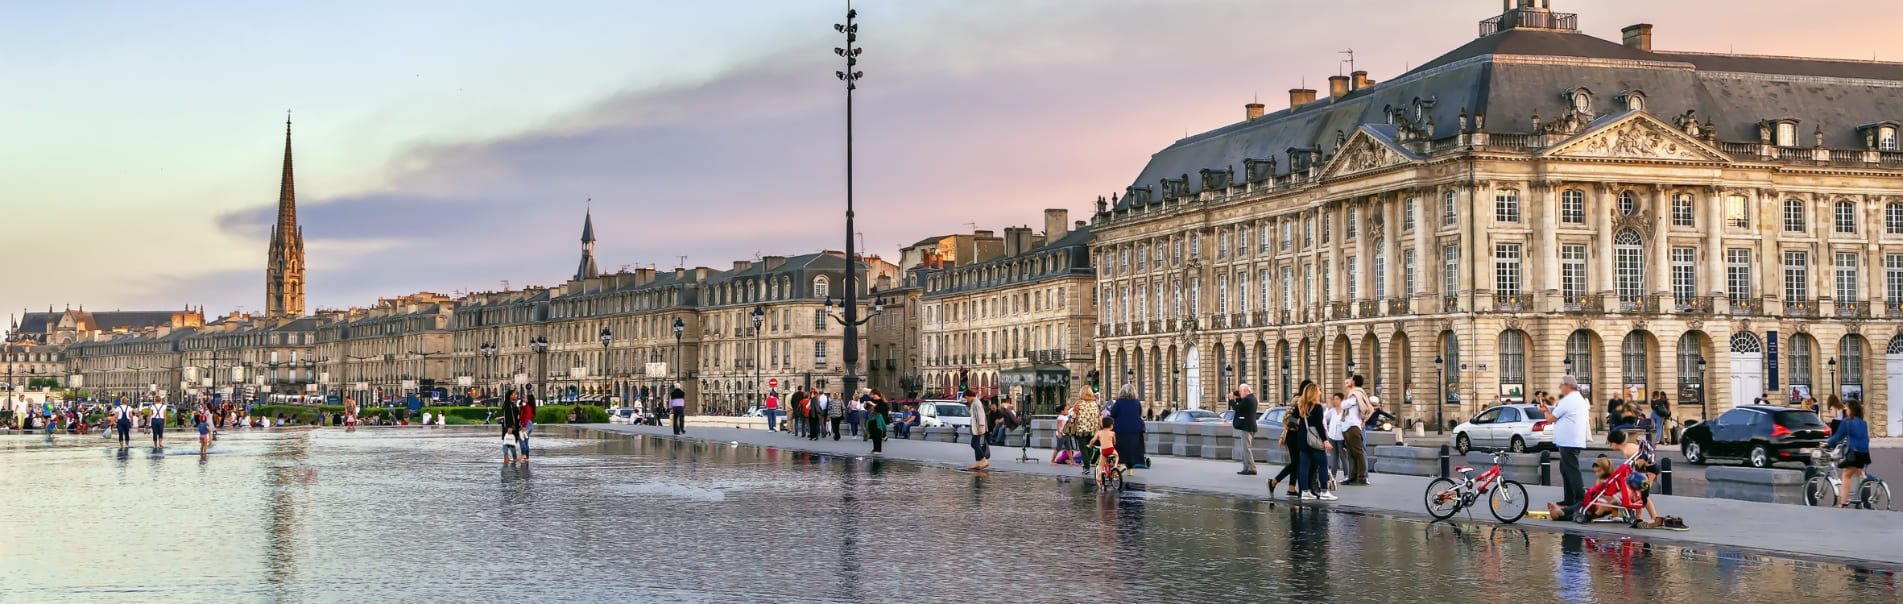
[(1758, 435), (621, 415), (1194, 416), (943, 413), (1516, 428), (755, 411)]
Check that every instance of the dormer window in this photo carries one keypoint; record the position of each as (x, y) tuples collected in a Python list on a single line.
[(1786, 134), (1581, 100), (1886, 138), (1633, 99)]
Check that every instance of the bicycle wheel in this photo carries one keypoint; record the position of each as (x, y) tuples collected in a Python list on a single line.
[(1875, 494), (1443, 498), (1508, 501), (1817, 492), (1119, 478)]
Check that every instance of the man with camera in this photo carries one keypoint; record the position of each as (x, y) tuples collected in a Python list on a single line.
[(1242, 401)]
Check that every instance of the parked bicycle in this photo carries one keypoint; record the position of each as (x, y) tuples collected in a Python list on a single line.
[(1823, 484), (1505, 498)]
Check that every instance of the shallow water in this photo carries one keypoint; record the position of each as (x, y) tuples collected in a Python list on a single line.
[(409, 514)]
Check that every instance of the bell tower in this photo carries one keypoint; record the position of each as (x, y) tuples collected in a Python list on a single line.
[(284, 277)]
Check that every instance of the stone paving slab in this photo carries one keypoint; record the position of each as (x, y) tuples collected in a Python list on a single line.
[(1857, 537)]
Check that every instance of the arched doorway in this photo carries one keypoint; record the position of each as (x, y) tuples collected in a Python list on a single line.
[(1512, 368), (1192, 367), (1691, 373), (1893, 359), (1580, 358), (1342, 355), (1747, 368), (1287, 374), (1635, 364), (1371, 370), (1850, 366)]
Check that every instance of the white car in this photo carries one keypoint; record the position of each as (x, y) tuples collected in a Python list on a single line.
[(621, 415), (944, 413), (1516, 428)]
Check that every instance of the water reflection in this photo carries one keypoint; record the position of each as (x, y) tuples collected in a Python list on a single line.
[(384, 514)]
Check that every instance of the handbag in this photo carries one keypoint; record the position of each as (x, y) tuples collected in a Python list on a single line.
[(1314, 441)]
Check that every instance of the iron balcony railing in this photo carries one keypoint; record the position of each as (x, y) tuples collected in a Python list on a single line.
[(1400, 306), (1800, 308), (1366, 308), (1509, 302), (1697, 305), (1450, 304), (1853, 308), (1746, 306)]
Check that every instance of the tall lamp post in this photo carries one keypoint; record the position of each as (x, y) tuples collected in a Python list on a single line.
[(488, 352), (679, 328), (849, 383), (850, 75), (607, 367), (1833, 375), (759, 316), (1440, 400), (1704, 398), (540, 346)]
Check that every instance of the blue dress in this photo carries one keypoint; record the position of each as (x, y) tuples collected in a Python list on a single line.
[(1128, 415)]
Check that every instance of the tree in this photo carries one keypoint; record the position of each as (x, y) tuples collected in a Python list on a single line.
[(42, 383)]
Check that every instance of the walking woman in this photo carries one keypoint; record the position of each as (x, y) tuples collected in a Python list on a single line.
[(1084, 421), (980, 448), (1310, 444), (123, 423), (875, 429), (1288, 446), (1128, 413)]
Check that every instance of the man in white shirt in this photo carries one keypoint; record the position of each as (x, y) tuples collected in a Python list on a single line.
[(158, 424), (1571, 428), (1353, 402)]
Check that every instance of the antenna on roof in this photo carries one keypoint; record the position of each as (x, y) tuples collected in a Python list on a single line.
[(1350, 61), (505, 285), (680, 262)]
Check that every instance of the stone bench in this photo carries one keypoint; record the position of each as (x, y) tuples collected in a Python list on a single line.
[(1753, 484), (1044, 433), (1410, 461), (1219, 440)]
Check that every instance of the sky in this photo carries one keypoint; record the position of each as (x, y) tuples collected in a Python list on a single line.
[(453, 146)]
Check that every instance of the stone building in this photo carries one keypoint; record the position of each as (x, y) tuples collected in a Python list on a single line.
[(493, 341), (399, 347), (893, 336), (798, 342), (248, 357), (636, 310), (1016, 322), (1534, 203), (131, 364)]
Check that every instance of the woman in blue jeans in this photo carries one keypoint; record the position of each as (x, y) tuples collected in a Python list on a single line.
[(1305, 420)]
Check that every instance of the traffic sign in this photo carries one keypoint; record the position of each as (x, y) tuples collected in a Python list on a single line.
[(773, 382)]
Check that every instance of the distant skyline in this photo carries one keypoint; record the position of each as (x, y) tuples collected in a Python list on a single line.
[(450, 146)]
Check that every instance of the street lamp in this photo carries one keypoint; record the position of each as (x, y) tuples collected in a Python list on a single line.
[(850, 75), (1704, 401), (679, 327), (607, 368), (759, 316), (1568, 362), (1440, 404), (488, 352), (1287, 388), (540, 346), (1833, 374)]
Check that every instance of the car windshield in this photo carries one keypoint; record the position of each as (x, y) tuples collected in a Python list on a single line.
[(953, 411), (1198, 414), (1799, 420)]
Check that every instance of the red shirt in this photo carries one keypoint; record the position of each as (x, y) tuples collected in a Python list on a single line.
[(772, 402)]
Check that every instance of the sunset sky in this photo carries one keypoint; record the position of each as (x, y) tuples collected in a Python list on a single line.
[(450, 146)]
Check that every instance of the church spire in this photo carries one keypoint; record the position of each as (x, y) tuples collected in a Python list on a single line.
[(284, 275), (587, 269)]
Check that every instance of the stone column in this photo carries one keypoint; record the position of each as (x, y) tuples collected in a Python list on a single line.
[(1659, 256), (1714, 228), (1769, 224), (1548, 251), (1601, 213), (1480, 254), (1426, 268)]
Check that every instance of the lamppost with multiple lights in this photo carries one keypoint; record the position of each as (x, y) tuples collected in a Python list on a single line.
[(849, 383), (850, 75), (488, 352), (680, 327), (759, 317)]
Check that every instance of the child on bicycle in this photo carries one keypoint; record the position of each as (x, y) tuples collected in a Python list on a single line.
[(1105, 443), (1856, 433)]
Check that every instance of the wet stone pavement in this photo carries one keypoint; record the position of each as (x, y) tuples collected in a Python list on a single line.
[(415, 514)]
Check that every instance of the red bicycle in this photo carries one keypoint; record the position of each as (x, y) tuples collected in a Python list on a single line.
[(1505, 498)]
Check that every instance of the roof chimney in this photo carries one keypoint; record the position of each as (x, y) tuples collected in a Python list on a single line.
[(1361, 80), (1638, 36), (1251, 111), (1300, 96), (1057, 220), (1337, 87)]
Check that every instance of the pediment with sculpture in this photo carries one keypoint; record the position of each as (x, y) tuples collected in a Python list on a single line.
[(1637, 136), (1364, 152)]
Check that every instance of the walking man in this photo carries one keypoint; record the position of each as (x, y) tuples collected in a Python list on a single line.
[(676, 407), (835, 413), (1570, 431), (1353, 402), (1243, 402)]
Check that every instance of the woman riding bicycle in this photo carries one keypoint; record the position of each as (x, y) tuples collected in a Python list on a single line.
[(1854, 431)]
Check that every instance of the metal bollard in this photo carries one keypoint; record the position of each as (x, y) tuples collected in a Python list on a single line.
[(1444, 469), (1665, 475), (1546, 468)]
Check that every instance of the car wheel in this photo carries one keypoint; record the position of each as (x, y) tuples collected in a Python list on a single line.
[(1461, 444), (1759, 457), (1518, 445), (1694, 454)]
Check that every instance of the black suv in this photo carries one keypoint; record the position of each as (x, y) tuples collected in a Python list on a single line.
[(1759, 435)]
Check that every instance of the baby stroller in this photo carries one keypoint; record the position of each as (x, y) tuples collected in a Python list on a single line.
[(1615, 497)]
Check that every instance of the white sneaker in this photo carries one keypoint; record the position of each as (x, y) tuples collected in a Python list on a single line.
[(1307, 496), (1327, 496)]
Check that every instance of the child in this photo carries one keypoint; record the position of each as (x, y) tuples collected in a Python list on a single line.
[(1064, 449), (1105, 442), (1601, 470), (204, 433), (510, 440), (1644, 475)]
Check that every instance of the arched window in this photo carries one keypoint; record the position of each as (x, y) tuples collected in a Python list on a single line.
[(1634, 360), (1886, 139), (1512, 357), (1845, 217), (1691, 350), (1786, 134), (1628, 254), (1635, 101), (1628, 202), (1800, 360), (1579, 351), (821, 287), (1850, 365), (1793, 216)]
